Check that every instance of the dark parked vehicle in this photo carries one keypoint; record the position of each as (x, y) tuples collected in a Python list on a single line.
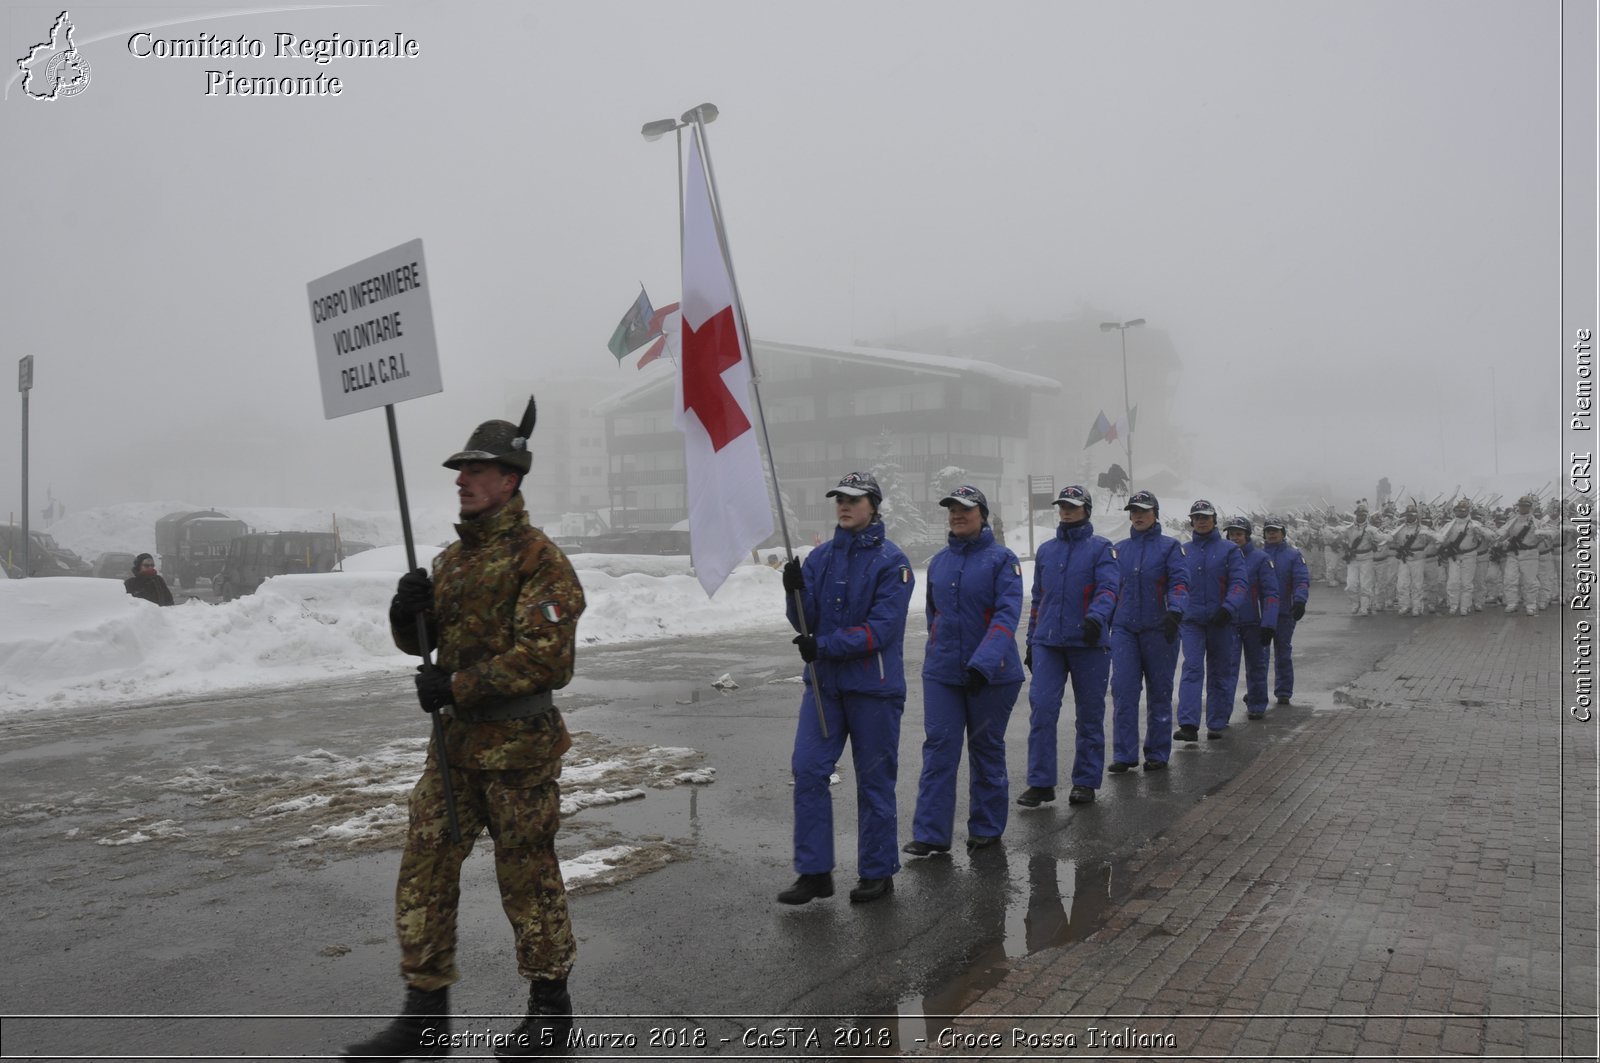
[(46, 557), (638, 541), (114, 565), (252, 559)]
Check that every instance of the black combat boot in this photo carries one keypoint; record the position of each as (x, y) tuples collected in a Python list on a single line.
[(544, 1032), (420, 1031)]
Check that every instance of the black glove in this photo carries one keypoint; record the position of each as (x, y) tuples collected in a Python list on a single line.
[(433, 687), (808, 647), (1266, 637), (1299, 610), (976, 681), (792, 579), (1091, 632), (1169, 626), (1221, 618), (412, 595)]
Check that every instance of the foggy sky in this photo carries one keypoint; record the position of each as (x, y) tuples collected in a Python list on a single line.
[(1341, 214)]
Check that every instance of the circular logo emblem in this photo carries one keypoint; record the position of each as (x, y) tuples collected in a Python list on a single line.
[(67, 73)]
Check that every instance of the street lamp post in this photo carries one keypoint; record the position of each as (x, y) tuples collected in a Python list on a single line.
[(661, 127), (1123, 327)]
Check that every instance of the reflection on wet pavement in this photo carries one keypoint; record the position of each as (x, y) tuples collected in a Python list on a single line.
[(1052, 903)]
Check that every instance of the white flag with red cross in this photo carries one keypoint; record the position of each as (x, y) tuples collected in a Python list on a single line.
[(729, 514)]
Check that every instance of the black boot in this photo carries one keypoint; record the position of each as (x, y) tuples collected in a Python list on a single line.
[(420, 1031), (544, 1032)]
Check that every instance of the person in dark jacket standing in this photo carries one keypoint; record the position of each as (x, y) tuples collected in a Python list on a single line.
[(971, 675), (1075, 580), (503, 604), (856, 590), (1144, 636), (1257, 620), (1294, 590), (147, 583), (1210, 640)]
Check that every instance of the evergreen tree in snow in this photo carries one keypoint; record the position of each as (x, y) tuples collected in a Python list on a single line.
[(901, 516), (789, 517), (946, 480)]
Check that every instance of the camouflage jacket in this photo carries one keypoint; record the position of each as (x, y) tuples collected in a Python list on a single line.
[(506, 604)]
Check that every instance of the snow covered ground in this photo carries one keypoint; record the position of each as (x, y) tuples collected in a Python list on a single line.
[(73, 642), (68, 642)]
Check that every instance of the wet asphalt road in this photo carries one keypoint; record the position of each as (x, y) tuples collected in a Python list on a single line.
[(227, 920)]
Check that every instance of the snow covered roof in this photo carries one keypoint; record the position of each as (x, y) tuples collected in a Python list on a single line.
[(932, 364)]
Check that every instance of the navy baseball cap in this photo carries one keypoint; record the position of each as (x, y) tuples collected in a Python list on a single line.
[(1142, 500), (1202, 508), (1073, 496), (857, 484), (966, 495)]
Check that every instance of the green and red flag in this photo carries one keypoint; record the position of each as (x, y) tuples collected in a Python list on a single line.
[(633, 331)]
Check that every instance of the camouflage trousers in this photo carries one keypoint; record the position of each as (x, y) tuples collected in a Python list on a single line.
[(522, 820)]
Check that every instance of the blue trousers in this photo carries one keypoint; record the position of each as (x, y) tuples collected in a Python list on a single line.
[(1254, 656), (872, 725), (1089, 668), (1210, 674), (1283, 656), (1141, 659), (950, 714)]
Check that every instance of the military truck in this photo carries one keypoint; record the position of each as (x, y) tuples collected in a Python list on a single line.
[(193, 545), (252, 559)]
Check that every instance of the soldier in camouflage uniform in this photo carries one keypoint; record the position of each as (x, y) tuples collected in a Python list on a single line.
[(503, 605)]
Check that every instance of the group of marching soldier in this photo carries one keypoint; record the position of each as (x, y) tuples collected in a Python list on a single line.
[(1452, 557)]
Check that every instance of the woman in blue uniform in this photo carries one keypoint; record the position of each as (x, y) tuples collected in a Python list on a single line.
[(856, 591), (1075, 581), (1144, 636), (971, 675)]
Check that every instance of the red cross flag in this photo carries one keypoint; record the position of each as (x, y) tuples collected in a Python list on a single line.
[(729, 514)]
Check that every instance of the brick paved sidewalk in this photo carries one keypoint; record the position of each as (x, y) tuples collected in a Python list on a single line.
[(1385, 882)]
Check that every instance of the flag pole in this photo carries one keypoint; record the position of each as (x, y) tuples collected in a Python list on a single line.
[(755, 386), (744, 326)]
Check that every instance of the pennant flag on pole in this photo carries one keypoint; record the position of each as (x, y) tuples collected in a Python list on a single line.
[(659, 331), (729, 514), (658, 319), (633, 331), (653, 353), (1098, 432)]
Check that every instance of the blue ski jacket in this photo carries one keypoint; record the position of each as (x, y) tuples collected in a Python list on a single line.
[(1075, 577), (1294, 578), (1154, 579), (857, 594), (1261, 588), (1216, 577), (974, 604)]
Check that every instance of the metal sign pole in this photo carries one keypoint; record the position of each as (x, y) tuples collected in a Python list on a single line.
[(25, 385), (422, 626)]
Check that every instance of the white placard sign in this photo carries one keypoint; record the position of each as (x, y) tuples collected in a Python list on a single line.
[(373, 327)]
